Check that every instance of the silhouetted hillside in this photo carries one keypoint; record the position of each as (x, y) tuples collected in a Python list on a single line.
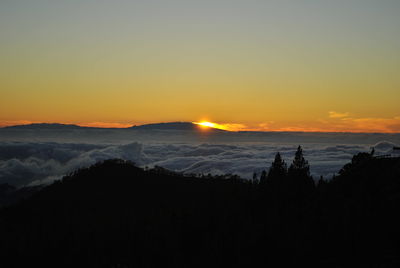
[(10, 195), (115, 214)]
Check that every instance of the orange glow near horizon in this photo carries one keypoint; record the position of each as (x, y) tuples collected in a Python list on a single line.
[(331, 71), (332, 122), (206, 125)]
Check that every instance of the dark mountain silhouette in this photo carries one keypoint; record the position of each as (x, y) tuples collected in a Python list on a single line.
[(52, 126), (186, 126), (115, 214)]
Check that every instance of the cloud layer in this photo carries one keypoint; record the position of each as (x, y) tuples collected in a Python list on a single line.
[(23, 163)]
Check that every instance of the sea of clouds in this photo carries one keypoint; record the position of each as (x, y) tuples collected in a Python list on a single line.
[(45, 160)]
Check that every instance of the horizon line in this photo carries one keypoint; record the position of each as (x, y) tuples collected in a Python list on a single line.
[(120, 126)]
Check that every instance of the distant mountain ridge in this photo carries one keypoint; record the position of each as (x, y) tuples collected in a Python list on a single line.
[(46, 126), (168, 125), (187, 126)]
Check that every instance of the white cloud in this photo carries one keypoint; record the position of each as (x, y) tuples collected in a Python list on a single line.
[(23, 163)]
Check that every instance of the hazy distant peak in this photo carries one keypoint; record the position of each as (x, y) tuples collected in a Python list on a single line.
[(188, 126), (170, 126), (46, 126)]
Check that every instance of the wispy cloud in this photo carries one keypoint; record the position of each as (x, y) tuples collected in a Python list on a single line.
[(333, 114), (336, 122), (371, 124), (235, 127)]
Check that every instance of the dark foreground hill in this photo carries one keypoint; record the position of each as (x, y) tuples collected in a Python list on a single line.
[(114, 214)]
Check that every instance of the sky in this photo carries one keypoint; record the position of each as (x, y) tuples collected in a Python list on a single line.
[(247, 65)]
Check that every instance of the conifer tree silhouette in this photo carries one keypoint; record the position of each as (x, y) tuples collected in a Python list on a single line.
[(301, 184), (299, 166), (263, 178), (277, 172)]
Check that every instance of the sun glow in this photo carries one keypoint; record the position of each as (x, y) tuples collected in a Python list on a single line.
[(206, 125)]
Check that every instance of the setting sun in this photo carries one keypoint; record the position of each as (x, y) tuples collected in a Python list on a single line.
[(206, 124)]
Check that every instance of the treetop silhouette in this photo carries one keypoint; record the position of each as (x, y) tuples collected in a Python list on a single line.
[(299, 165)]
